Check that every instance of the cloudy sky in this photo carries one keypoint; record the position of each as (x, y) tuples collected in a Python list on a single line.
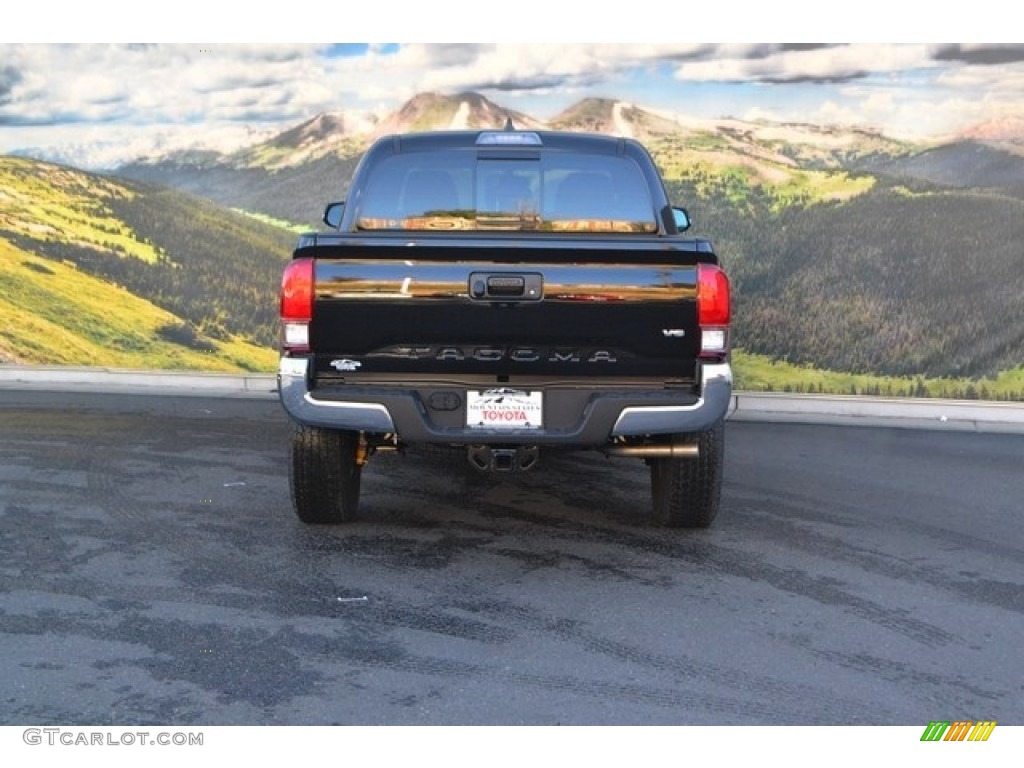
[(109, 102)]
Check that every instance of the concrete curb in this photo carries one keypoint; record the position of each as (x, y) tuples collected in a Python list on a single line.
[(186, 383), (911, 413), (951, 415)]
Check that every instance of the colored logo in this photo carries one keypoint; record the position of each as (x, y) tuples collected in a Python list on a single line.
[(958, 730)]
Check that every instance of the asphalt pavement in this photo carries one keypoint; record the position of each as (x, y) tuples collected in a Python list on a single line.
[(152, 571)]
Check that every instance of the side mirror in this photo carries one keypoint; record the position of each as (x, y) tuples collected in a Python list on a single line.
[(682, 218), (332, 214)]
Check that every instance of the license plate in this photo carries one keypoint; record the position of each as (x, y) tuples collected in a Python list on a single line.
[(504, 408)]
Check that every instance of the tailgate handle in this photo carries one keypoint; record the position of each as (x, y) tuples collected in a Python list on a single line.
[(506, 286)]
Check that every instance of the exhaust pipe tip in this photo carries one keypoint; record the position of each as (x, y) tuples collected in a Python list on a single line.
[(666, 451)]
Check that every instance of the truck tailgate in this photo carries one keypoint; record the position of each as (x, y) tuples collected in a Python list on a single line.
[(606, 314)]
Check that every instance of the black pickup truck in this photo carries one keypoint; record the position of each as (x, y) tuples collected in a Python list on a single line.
[(505, 293)]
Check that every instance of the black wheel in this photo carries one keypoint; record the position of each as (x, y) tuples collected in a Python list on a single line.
[(686, 492), (324, 475)]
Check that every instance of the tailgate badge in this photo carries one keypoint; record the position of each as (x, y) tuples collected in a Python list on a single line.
[(673, 333), (346, 365)]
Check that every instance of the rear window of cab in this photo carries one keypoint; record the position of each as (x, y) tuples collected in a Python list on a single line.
[(463, 189)]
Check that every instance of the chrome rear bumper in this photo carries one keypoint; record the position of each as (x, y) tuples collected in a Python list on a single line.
[(605, 415)]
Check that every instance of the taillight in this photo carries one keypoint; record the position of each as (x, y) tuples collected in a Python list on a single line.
[(713, 311), (296, 305)]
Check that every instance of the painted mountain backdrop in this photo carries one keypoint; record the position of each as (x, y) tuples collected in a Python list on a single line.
[(860, 262)]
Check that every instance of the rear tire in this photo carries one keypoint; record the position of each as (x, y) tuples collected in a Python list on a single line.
[(324, 475), (686, 492)]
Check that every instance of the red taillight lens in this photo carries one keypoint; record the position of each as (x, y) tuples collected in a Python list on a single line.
[(713, 310), (297, 291), (297, 304), (712, 295)]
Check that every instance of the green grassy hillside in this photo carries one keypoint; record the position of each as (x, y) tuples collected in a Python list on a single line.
[(758, 179), (102, 271), (293, 193), (760, 373), (51, 312), (891, 282), (51, 203)]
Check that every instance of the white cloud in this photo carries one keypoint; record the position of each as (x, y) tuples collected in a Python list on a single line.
[(163, 83), (832, 64), (831, 113), (1007, 79), (424, 67)]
